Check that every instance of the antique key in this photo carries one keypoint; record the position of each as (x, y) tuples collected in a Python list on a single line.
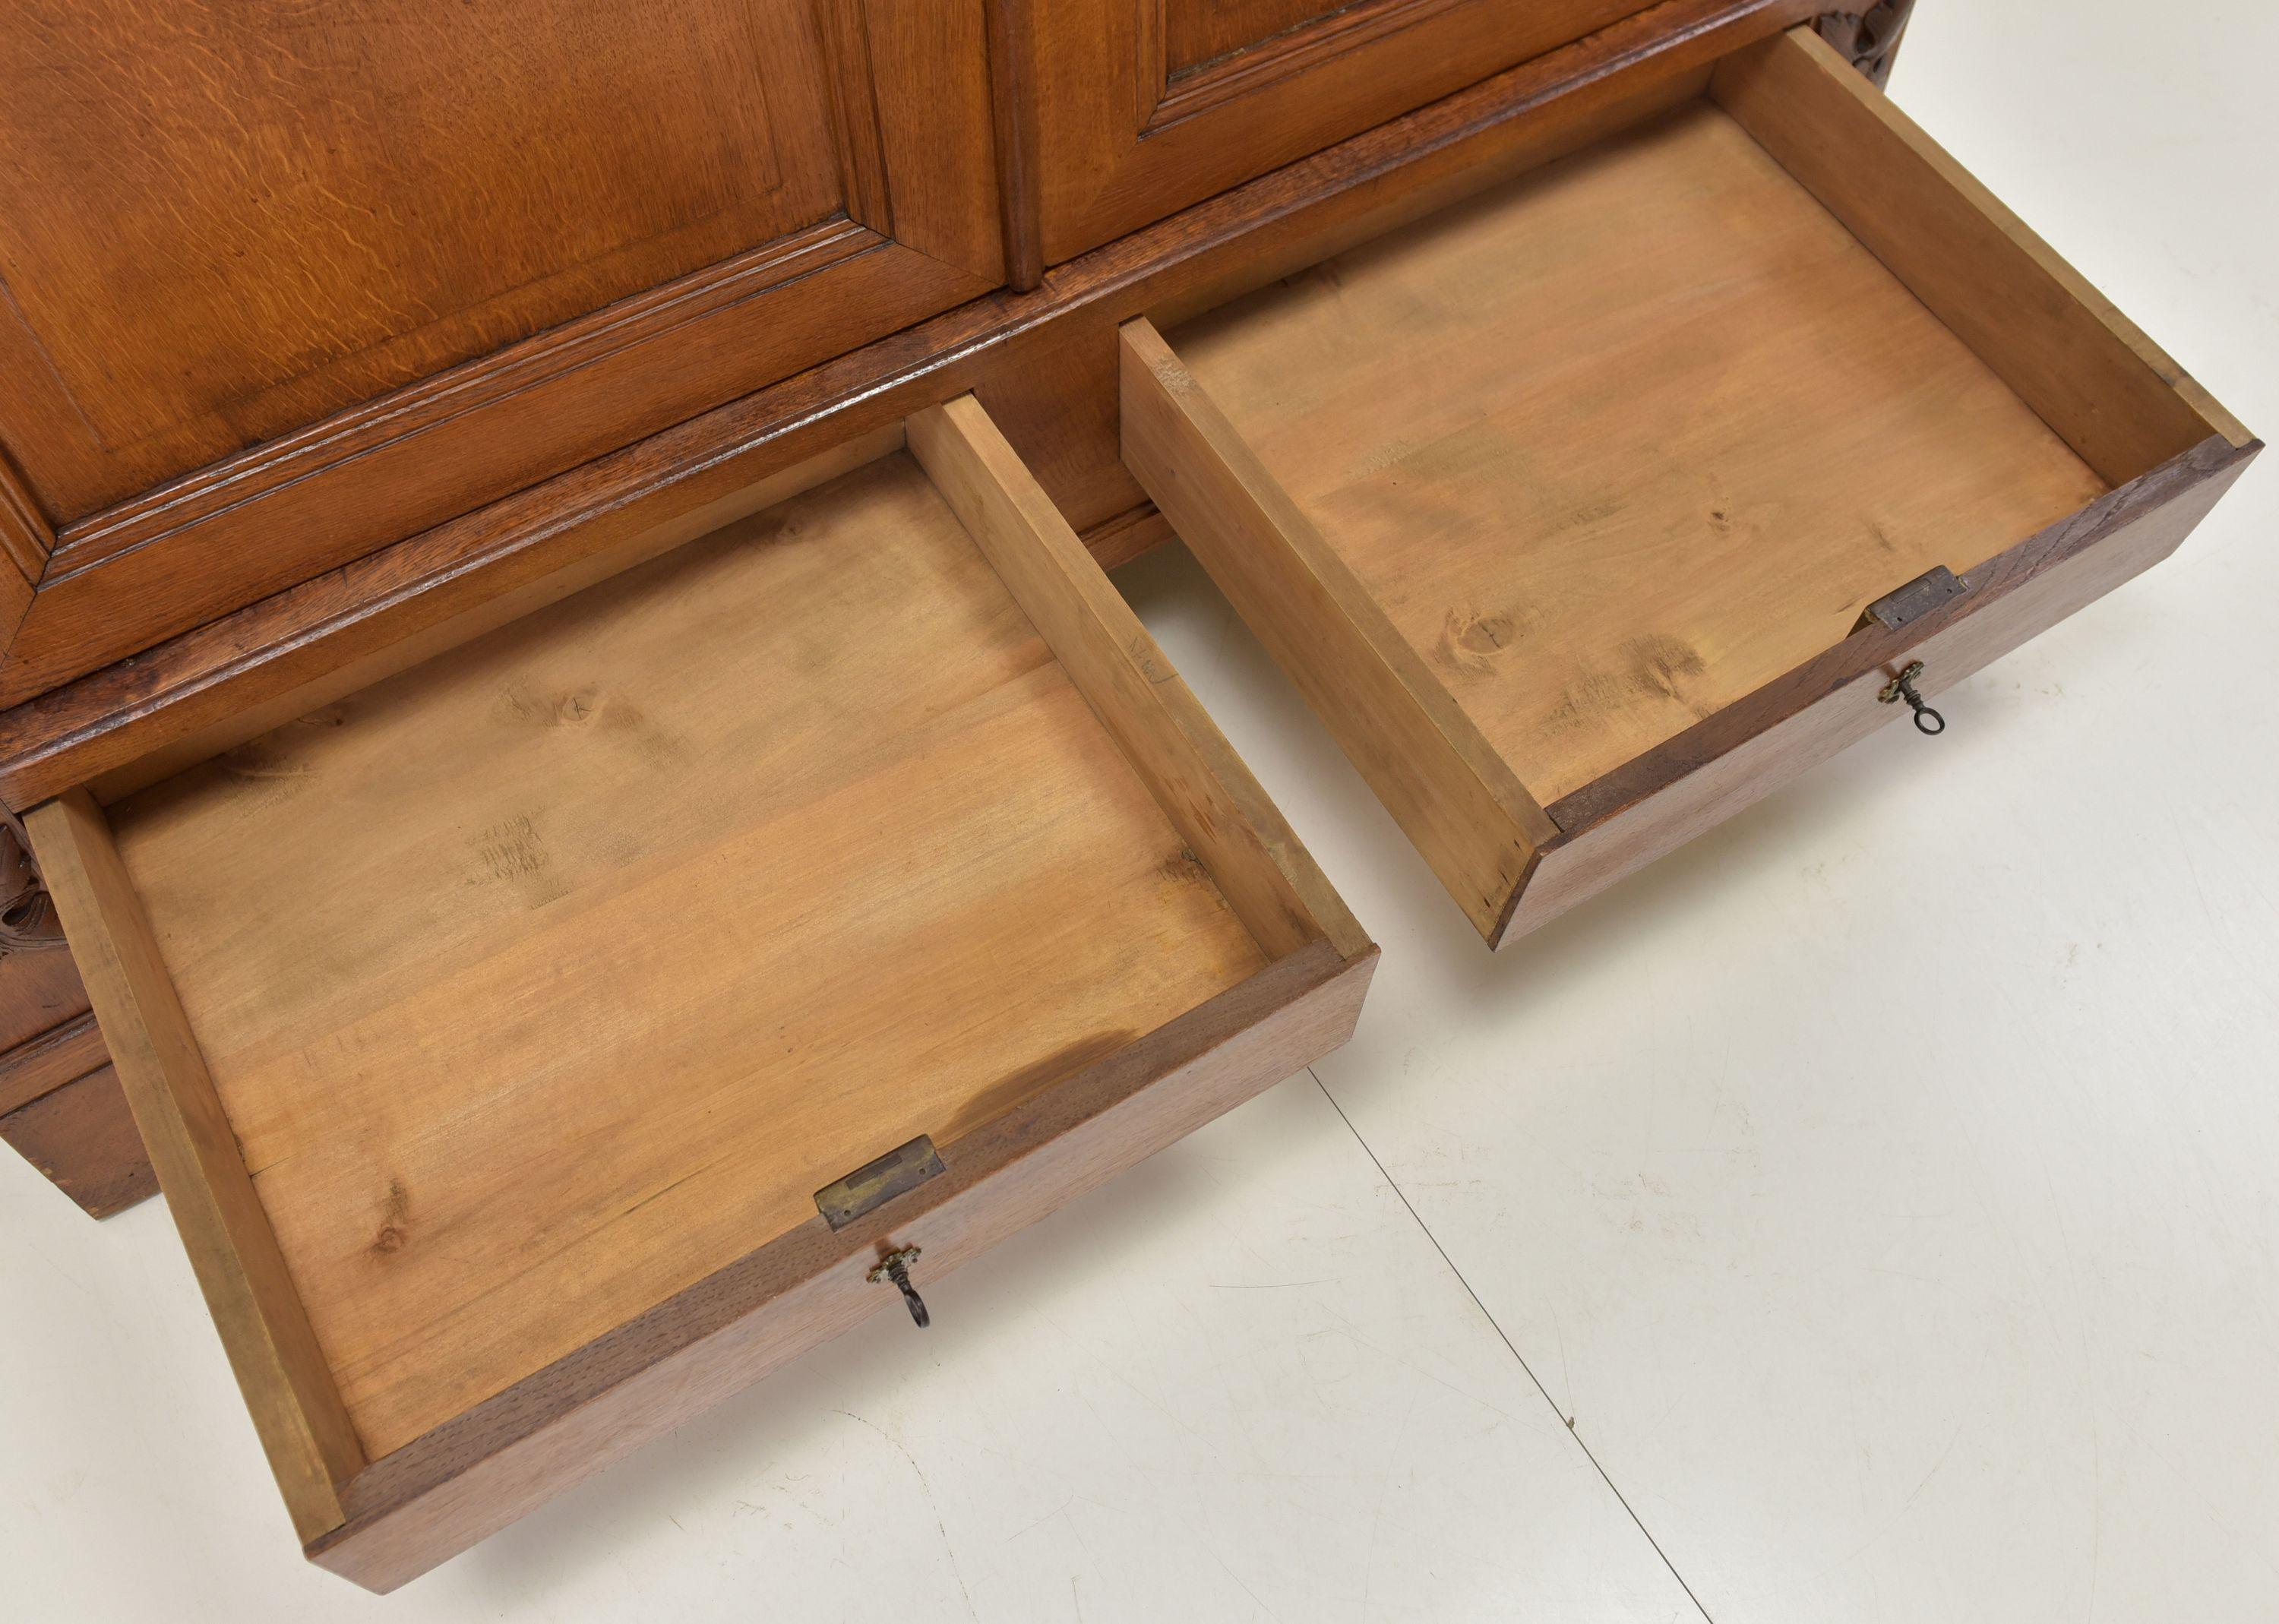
[(1903, 687), (895, 1266)]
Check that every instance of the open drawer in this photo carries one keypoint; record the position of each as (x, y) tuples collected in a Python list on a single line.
[(1590, 509), (546, 1041)]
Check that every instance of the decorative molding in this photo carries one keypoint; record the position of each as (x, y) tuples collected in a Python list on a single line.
[(26, 536), (469, 387), (246, 530), (1013, 116), (27, 917), (41, 1065), (1870, 39), (1166, 96), (844, 30), (95, 727), (907, 114)]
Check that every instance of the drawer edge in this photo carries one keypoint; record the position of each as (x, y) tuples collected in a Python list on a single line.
[(475, 1474), (1611, 828)]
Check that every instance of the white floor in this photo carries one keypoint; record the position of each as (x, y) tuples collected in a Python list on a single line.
[(1871, 1212)]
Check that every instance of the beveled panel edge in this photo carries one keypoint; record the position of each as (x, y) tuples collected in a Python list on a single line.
[(1184, 92), (348, 502), (438, 399)]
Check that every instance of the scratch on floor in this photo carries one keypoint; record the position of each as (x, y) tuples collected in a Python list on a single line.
[(940, 1527)]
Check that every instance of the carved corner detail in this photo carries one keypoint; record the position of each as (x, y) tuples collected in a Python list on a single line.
[(1869, 38), (27, 915)]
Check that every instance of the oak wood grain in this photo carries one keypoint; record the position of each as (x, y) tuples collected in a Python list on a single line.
[(226, 223), (495, 424), (338, 341), (249, 1288), (1115, 153), (26, 537), (198, 679), (1267, 876), (1457, 800)]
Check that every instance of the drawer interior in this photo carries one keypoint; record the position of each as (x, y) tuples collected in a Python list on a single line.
[(1591, 458), (541, 981), (1622, 442), (545, 980)]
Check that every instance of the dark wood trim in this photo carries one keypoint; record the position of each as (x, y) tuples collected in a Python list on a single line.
[(1875, 648), (475, 1474), (912, 102), (843, 27), (82, 1139), (1013, 114), (193, 549), (906, 105), (1213, 84), (27, 917), (1129, 535), (447, 395), (57, 1056), (1242, 239), (26, 536), (1870, 37)]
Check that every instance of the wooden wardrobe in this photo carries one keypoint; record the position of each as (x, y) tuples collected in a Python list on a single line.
[(578, 794)]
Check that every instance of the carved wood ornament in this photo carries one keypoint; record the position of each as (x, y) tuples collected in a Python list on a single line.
[(28, 918), (1869, 38)]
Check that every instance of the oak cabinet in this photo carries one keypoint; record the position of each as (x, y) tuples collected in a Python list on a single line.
[(612, 822)]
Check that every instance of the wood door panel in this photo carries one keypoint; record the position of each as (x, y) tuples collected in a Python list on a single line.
[(1138, 108), (219, 222), (289, 280), (1197, 33)]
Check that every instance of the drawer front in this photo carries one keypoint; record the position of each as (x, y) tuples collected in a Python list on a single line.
[(555, 1035), (1564, 507), (1706, 776), (477, 1475)]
